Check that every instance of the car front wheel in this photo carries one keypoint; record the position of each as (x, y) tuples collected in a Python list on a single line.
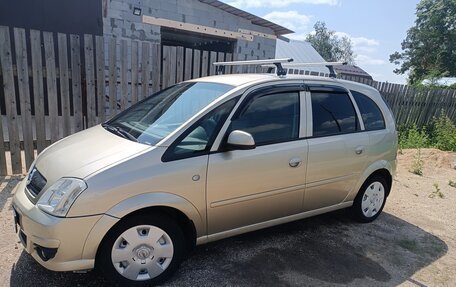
[(371, 199), (141, 250)]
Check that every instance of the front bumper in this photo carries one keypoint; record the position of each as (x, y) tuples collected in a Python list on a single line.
[(66, 236)]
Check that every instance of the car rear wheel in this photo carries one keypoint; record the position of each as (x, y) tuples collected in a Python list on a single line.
[(141, 250), (371, 199)]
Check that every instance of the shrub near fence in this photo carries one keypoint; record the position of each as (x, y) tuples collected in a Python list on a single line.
[(52, 85)]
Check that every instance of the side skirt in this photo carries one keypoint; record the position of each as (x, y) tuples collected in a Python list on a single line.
[(269, 223)]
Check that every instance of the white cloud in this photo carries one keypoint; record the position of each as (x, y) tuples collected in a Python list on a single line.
[(368, 60), (292, 20), (278, 3), (364, 48), (359, 41)]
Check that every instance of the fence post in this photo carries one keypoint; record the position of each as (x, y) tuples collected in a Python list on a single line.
[(10, 99), (188, 64), (89, 80), (204, 63), (51, 82), (179, 64), (4, 68), (76, 86), (196, 63), (123, 74), (24, 95), (101, 80), (38, 89), (212, 59), (156, 68), (112, 46), (134, 72), (169, 66), (64, 84), (145, 70)]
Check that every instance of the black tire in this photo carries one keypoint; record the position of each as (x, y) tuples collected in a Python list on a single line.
[(357, 210), (103, 262)]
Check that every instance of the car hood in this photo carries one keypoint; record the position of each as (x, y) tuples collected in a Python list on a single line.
[(84, 153)]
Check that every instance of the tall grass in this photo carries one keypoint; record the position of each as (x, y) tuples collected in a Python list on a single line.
[(440, 133)]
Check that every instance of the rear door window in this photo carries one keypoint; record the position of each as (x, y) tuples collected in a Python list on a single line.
[(332, 114)]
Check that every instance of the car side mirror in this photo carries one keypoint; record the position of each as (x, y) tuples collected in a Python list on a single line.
[(240, 140)]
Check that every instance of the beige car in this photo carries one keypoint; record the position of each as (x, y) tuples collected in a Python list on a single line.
[(204, 160)]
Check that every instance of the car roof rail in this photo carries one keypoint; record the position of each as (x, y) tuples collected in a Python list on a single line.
[(329, 65), (277, 63)]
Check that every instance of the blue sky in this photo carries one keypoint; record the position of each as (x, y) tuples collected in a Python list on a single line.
[(376, 27)]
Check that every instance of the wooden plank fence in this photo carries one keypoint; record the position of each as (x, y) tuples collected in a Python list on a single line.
[(414, 105), (53, 85), (410, 105)]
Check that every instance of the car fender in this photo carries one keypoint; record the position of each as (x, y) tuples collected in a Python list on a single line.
[(132, 204), (377, 165)]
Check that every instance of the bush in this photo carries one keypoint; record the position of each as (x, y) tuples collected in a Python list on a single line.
[(413, 138), (417, 164), (443, 133), (436, 192)]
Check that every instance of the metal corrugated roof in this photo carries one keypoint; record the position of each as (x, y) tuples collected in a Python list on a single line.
[(278, 30), (301, 52), (351, 70)]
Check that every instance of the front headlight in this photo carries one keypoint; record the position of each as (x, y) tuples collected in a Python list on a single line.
[(59, 197)]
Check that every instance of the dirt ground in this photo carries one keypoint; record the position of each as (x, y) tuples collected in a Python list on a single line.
[(413, 243)]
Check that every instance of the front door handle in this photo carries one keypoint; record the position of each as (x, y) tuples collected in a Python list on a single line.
[(359, 150), (295, 162)]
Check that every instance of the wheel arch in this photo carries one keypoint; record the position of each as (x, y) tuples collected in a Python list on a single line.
[(382, 168), (187, 225), (384, 173), (176, 207)]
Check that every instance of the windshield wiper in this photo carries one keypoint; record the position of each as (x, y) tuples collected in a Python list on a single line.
[(120, 131), (126, 134)]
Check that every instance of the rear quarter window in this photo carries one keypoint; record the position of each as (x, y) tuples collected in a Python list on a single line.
[(370, 113)]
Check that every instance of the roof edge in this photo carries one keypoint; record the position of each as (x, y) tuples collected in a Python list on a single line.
[(278, 29)]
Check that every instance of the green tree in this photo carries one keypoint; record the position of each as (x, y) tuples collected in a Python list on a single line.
[(331, 47), (429, 50)]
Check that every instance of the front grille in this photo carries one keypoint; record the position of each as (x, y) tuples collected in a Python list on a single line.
[(35, 182)]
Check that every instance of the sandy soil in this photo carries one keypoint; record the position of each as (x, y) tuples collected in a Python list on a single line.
[(413, 243), (415, 199)]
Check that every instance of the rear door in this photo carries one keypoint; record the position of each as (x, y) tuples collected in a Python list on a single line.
[(337, 146)]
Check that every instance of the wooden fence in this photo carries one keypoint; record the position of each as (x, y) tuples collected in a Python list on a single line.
[(410, 105), (413, 105), (53, 85)]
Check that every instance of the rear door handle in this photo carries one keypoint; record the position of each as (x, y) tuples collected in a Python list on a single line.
[(295, 162), (359, 150)]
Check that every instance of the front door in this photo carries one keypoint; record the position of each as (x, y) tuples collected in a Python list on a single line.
[(245, 187)]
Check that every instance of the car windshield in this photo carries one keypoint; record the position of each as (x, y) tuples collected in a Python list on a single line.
[(154, 118)]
